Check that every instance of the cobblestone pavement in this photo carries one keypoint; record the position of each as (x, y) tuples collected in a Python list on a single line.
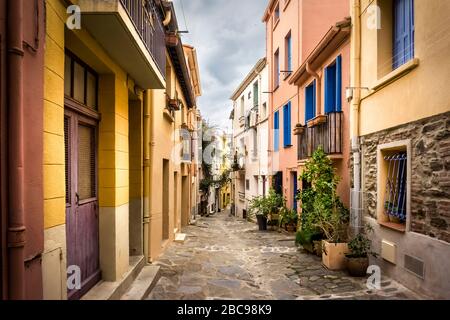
[(227, 258)]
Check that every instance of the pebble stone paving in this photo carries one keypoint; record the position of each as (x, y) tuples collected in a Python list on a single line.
[(225, 257)]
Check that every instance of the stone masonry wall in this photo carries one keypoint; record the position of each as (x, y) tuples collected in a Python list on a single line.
[(430, 185)]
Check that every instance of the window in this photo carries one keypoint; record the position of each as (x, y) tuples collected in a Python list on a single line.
[(287, 125), (247, 184), (310, 101), (276, 131), (288, 51), (276, 13), (333, 86), (249, 95), (393, 167), (276, 70), (242, 106), (255, 94), (403, 32), (80, 81), (264, 110), (255, 143)]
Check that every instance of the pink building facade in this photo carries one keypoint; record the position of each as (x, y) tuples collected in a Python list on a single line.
[(294, 29)]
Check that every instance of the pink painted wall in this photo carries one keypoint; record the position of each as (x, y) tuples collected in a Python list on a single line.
[(308, 21)]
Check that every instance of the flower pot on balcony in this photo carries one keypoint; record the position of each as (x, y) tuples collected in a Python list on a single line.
[(299, 130), (171, 39), (333, 255)]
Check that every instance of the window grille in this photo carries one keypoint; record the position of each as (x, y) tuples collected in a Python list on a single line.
[(395, 197)]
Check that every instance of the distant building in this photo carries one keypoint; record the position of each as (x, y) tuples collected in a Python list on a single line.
[(250, 138)]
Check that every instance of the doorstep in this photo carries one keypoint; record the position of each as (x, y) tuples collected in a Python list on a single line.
[(113, 290), (144, 284)]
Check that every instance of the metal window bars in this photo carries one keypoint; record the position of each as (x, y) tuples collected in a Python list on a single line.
[(395, 196)]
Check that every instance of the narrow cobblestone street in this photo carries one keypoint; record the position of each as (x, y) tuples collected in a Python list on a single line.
[(227, 258)]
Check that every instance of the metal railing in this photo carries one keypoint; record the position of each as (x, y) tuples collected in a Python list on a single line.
[(327, 134), (148, 24)]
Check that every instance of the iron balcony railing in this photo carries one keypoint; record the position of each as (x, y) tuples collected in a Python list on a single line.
[(148, 24), (327, 134)]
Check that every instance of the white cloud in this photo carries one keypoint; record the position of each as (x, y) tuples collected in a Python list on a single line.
[(230, 38)]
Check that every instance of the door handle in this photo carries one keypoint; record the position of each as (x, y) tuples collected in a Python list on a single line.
[(77, 198)]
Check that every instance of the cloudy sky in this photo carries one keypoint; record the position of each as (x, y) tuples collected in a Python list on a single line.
[(230, 38)]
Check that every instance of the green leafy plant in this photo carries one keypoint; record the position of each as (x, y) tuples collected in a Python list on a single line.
[(288, 216), (360, 246), (322, 210), (266, 205)]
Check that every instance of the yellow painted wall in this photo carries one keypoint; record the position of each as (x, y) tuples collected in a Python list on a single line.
[(421, 93), (54, 170)]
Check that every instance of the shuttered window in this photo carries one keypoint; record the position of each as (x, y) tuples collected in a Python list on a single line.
[(403, 46), (310, 101), (333, 86), (276, 71), (276, 131), (86, 162), (287, 125), (288, 54)]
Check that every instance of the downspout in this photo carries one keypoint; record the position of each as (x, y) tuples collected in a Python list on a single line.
[(147, 168), (318, 88), (354, 108), (16, 221)]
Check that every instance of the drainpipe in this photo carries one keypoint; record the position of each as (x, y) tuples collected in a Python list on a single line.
[(147, 168), (318, 88), (16, 221), (354, 108)]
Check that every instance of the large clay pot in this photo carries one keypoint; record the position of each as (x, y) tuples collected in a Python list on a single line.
[(333, 255), (357, 267), (262, 222)]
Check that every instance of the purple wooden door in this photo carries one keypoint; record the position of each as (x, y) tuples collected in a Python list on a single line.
[(81, 198)]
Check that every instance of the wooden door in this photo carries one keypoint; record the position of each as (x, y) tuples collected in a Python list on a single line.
[(82, 222)]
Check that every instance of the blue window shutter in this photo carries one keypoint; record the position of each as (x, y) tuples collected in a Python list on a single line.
[(403, 32), (313, 114), (287, 125), (310, 101), (276, 132), (338, 106), (327, 90)]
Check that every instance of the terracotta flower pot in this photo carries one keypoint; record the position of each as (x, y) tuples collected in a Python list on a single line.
[(333, 255), (357, 267)]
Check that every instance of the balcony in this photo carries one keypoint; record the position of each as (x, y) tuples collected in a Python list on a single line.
[(132, 24), (328, 134)]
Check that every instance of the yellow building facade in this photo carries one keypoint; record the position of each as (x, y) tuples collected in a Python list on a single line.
[(115, 190), (400, 117)]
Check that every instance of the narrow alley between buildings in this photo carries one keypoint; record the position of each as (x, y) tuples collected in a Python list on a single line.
[(224, 257)]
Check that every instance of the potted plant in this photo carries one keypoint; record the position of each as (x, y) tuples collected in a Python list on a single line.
[(289, 218), (358, 255), (325, 213), (258, 207)]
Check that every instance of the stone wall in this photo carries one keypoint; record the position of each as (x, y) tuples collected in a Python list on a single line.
[(430, 185)]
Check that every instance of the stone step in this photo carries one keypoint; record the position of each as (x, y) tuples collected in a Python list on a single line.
[(144, 284), (180, 238), (113, 290)]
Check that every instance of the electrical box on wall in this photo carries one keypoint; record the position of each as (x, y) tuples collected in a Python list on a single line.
[(389, 251)]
